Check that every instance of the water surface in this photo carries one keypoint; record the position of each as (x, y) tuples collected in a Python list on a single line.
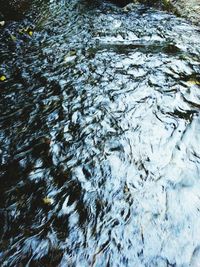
[(99, 138)]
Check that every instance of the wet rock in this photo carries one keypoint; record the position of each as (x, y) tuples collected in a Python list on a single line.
[(13, 9)]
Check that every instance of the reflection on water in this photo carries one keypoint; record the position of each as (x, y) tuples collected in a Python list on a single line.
[(99, 138)]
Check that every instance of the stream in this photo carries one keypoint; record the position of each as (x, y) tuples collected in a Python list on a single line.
[(99, 137)]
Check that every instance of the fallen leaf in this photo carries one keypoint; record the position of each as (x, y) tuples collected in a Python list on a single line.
[(30, 33), (48, 200), (2, 78), (193, 82)]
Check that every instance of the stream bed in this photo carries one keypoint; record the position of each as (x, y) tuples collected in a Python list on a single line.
[(99, 137)]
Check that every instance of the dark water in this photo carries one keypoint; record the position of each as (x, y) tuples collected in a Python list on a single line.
[(100, 138)]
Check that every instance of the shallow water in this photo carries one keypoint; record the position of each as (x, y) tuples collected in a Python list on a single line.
[(99, 137)]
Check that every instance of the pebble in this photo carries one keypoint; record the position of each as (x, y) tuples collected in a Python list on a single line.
[(2, 23)]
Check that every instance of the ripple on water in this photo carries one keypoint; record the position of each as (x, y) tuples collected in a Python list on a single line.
[(99, 134)]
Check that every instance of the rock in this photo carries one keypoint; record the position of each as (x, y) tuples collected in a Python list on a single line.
[(14, 9), (122, 3), (189, 9)]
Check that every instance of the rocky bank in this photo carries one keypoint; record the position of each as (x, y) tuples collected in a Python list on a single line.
[(190, 9)]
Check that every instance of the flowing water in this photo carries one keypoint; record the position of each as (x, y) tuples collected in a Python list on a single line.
[(100, 138)]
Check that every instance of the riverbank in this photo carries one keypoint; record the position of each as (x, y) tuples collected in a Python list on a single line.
[(189, 9)]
